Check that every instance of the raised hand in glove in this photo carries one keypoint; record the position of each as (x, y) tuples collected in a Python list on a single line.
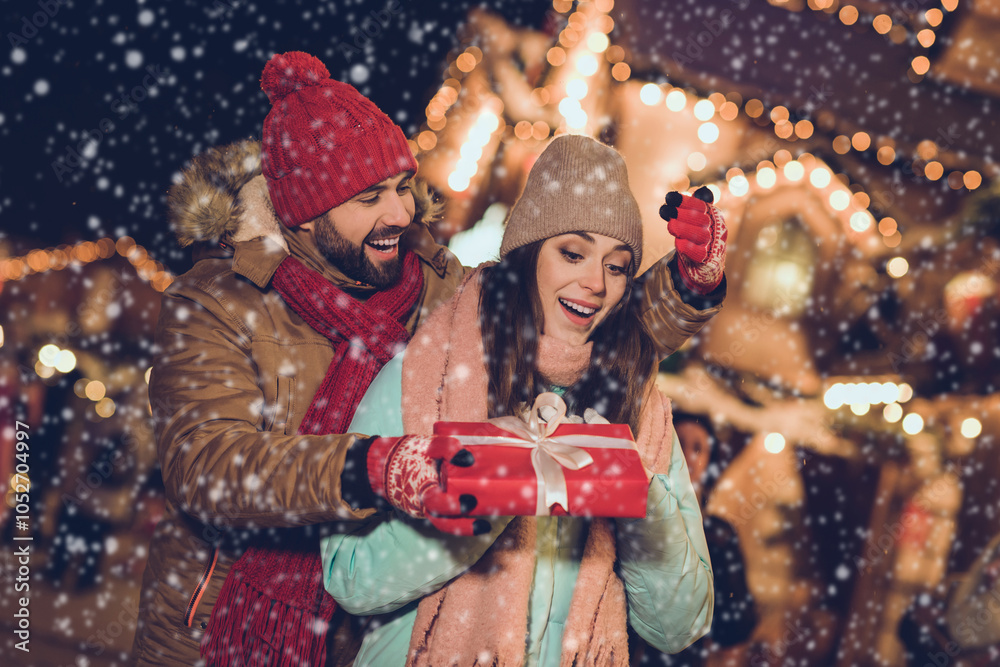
[(701, 238), (405, 471)]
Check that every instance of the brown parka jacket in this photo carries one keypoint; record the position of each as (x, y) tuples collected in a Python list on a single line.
[(234, 372)]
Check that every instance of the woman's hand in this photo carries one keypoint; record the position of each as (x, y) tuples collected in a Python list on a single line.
[(404, 471), (701, 238)]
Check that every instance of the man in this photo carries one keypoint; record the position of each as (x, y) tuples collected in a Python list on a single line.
[(309, 277)]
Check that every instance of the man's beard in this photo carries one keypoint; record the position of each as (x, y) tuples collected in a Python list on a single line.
[(352, 260)]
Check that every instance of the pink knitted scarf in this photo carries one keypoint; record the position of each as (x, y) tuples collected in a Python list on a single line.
[(481, 617)]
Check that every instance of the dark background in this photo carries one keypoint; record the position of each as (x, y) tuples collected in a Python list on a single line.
[(162, 82)]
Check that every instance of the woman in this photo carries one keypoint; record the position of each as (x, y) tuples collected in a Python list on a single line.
[(556, 313)]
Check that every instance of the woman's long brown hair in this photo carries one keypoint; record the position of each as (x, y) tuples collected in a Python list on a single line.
[(621, 363)]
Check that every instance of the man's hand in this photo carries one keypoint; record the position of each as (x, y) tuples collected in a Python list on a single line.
[(405, 471), (701, 238)]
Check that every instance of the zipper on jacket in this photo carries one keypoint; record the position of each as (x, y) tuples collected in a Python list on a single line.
[(199, 590)]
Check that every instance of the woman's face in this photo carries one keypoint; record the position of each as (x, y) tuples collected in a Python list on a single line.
[(581, 277)]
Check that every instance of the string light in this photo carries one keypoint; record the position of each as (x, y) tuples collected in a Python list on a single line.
[(704, 110), (871, 393), (794, 171), (708, 132), (913, 423), (739, 185), (676, 100), (766, 178), (861, 221), (893, 412), (95, 390), (897, 267), (774, 443), (586, 64), (650, 94), (576, 88), (820, 177), (472, 150), (696, 161), (839, 200), (597, 42), (62, 257), (971, 427)]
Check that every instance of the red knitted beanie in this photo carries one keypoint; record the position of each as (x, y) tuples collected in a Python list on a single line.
[(323, 141)]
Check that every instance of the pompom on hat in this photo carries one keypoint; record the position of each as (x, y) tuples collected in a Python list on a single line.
[(577, 184), (323, 141)]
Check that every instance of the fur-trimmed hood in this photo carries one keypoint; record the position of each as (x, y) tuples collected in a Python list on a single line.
[(222, 196)]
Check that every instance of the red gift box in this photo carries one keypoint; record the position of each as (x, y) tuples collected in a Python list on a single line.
[(528, 476)]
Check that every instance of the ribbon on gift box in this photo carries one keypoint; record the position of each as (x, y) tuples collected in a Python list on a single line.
[(549, 454)]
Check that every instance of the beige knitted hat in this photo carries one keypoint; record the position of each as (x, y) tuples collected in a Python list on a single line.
[(577, 184)]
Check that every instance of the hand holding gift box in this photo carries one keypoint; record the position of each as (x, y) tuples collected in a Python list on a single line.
[(539, 468)]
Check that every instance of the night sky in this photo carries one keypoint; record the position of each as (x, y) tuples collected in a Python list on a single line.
[(104, 102)]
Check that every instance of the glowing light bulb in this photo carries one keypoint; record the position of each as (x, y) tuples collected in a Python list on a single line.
[(704, 110), (65, 361), (708, 132), (971, 427), (696, 161), (893, 412), (774, 442), (47, 355), (650, 94), (913, 423), (576, 88), (766, 178), (820, 177), (794, 170), (897, 267), (458, 182), (739, 185), (861, 221), (95, 390), (597, 42), (889, 393), (834, 396), (586, 65), (676, 100)]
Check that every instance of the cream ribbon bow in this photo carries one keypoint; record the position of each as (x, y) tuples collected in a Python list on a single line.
[(549, 455)]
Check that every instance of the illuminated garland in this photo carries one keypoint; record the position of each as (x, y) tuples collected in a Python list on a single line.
[(924, 26), (64, 256)]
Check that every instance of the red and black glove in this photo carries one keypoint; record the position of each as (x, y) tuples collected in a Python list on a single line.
[(405, 471), (701, 238)]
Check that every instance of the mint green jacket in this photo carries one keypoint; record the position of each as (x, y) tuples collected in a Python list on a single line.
[(393, 561)]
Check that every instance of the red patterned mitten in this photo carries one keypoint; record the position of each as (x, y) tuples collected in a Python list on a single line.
[(404, 471), (701, 238)]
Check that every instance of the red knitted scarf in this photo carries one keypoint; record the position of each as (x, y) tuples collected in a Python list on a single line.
[(273, 608)]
